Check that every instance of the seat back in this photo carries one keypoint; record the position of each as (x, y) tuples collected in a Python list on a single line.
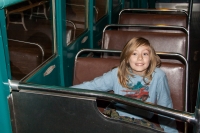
[(153, 16), (87, 68), (161, 41)]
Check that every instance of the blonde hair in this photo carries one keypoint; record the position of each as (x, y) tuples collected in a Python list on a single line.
[(124, 67)]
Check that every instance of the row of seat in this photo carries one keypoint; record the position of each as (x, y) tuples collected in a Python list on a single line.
[(161, 27)]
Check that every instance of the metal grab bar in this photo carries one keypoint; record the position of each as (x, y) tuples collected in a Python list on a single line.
[(47, 90)]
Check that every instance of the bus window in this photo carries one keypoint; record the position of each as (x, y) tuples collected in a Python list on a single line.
[(30, 35), (100, 8), (76, 19)]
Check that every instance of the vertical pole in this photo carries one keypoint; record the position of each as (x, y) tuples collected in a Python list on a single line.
[(189, 100), (139, 3), (123, 4), (91, 19), (152, 4), (110, 9), (60, 35), (143, 4), (132, 5)]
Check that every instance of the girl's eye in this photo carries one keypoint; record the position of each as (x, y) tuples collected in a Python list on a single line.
[(146, 54), (134, 53)]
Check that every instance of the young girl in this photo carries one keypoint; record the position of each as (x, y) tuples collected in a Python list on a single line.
[(137, 74)]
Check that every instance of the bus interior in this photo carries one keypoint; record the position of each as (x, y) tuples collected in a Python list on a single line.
[(49, 45)]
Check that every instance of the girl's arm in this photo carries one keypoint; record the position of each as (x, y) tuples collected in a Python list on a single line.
[(164, 99), (102, 83)]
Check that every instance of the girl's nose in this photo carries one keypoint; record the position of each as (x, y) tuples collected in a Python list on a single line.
[(139, 57)]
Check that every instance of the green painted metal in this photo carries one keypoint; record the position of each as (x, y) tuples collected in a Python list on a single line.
[(4, 89), (152, 4), (52, 78), (110, 7), (6, 3), (143, 4), (60, 34), (123, 3), (115, 12), (4, 111), (132, 3), (91, 21), (138, 3), (5, 42)]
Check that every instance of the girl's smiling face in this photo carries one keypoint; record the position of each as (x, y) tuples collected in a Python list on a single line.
[(139, 60)]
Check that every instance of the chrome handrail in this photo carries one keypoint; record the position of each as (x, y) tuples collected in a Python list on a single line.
[(58, 90)]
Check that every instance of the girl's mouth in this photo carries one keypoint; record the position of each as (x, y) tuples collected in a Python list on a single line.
[(139, 64)]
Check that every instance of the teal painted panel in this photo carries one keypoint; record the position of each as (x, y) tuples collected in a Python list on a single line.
[(5, 121), (5, 44), (4, 89), (6, 3), (61, 35), (115, 14), (52, 78), (91, 19), (152, 3), (138, 3)]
